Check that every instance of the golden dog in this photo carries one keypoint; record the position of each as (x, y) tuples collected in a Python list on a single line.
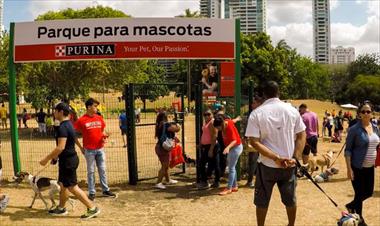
[(320, 161)]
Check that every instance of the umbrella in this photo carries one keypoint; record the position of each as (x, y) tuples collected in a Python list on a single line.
[(349, 106)]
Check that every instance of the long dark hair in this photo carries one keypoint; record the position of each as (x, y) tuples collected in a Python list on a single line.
[(160, 120)]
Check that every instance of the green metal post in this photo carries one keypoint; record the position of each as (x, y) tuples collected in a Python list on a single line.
[(131, 134), (237, 81), (12, 103)]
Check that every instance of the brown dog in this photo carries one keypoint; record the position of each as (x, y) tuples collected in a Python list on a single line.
[(320, 161)]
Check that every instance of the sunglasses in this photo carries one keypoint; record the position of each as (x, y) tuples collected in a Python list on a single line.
[(207, 114), (366, 112)]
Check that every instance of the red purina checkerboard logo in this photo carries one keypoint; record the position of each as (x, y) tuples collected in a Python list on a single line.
[(60, 51)]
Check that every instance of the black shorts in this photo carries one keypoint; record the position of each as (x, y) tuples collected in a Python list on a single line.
[(123, 131), (67, 173), (311, 145), (267, 177)]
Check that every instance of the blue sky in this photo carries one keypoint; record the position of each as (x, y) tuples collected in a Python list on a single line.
[(353, 22)]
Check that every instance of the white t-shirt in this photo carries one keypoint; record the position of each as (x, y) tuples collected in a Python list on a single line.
[(276, 124)]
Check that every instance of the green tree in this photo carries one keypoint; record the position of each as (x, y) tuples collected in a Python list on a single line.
[(364, 87), (367, 64)]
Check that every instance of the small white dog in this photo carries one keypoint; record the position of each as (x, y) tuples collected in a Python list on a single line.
[(40, 184)]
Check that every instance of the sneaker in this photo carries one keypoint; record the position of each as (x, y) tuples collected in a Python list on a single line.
[(91, 213), (203, 186), (4, 203), (226, 191), (235, 189), (250, 185), (171, 181), (160, 186), (109, 194), (91, 197), (58, 211), (215, 185)]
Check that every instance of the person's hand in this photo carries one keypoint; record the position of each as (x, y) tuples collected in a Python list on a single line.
[(226, 151), (44, 161), (291, 162), (210, 154), (281, 162), (350, 174)]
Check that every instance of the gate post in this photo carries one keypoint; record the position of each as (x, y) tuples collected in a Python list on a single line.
[(12, 104), (131, 134)]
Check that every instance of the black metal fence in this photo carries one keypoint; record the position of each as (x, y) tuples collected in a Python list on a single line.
[(35, 145)]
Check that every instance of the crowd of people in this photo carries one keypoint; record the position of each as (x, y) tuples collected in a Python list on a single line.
[(278, 134)]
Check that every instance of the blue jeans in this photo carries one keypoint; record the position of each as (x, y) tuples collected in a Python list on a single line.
[(232, 159), (96, 156)]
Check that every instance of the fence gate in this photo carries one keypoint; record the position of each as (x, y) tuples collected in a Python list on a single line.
[(143, 101)]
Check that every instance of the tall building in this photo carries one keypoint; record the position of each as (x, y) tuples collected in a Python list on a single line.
[(340, 55), (252, 14), (211, 8), (321, 31)]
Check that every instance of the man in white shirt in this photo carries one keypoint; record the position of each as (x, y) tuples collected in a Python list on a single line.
[(277, 132)]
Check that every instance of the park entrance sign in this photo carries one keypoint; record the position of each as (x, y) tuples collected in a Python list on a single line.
[(124, 38), (120, 38)]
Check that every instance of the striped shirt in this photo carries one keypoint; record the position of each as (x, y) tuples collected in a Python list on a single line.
[(370, 157)]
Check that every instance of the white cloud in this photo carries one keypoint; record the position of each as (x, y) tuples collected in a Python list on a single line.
[(135, 8), (286, 12), (297, 35)]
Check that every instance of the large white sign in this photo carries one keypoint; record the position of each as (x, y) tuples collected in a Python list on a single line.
[(124, 38)]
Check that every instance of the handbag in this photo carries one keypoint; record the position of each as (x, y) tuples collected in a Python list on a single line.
[(377, 162), (167, 143), (176, 156)]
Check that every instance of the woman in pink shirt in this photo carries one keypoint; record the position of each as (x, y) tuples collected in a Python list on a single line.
[(209, 151)]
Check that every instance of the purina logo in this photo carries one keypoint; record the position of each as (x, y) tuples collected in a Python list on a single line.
[(85, 50)]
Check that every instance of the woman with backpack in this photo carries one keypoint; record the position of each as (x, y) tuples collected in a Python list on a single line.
[(167, 130)]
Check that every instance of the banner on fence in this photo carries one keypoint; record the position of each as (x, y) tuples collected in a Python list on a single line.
[(124, 38)]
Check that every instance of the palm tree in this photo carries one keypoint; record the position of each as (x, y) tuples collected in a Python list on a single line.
[(190, 14)]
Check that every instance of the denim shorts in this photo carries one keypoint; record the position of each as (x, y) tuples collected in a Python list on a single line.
[(267, 177)]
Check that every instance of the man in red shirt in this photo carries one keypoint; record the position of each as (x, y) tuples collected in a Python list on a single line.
[(91, 126)]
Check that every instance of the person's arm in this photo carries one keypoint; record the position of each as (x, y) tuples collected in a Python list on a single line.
[(214, 135), (79, 145), (348, 153), (263, 150), (299, 144), (174, 128), (229, 146), (237, 119), (57, 150)]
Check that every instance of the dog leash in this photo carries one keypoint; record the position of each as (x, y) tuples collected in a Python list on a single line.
[(315, 183), (341, 150), (41, 170)]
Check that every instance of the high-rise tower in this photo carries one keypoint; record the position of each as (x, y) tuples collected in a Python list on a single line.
[(321, 31), (211, 8), (252, 14)]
